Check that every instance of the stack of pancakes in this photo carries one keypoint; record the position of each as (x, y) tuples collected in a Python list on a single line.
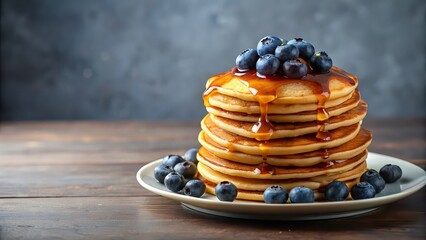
[(262, 131)]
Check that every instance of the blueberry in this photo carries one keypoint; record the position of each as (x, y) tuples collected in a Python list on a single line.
[(247, 59), (390, 173), (372, 177), (336, 191), (194, 188), (226, 191), (275, 194), (191, 155), (295, 69), (267, 45), (161, 171), (267, 64), (286, 52), (306, 50), (301, 195), (174, 181), (186, 169), (363, 190), (172, 160), (321, 62)]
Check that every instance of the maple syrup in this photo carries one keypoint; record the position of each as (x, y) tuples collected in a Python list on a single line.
[(325, 154), (264, 89), (264, 168)]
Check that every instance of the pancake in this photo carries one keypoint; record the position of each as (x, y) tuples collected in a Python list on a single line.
[(261, 184), (252, 189), (282, 146), (344, 151), (258, 195), (237, 105), (282, 130), (275, 172), (296, 117), (288, 91), (275, 130)]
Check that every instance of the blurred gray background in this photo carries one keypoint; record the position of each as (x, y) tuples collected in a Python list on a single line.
[(78, 59)]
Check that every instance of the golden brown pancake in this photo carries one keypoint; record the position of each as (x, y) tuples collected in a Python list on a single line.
[(233, 104), (296, 117), (288, 92), (282, 146), (253, 188), (276, 172), (282, 130), (344, 151)]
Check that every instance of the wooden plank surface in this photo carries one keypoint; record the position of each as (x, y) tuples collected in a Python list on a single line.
[(158, 218), (76, 180)]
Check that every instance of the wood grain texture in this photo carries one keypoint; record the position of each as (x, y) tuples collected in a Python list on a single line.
[(76, 180)]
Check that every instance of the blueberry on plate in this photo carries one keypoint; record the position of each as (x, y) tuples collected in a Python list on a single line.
[(302, 195), (306, 49), (363, 190), (174, 181), (295, 69), (226, 191), (267, 45), (373, 177), (247, 59), (186, 169), (275, 194), (267, 64), (336, 191), (390, 173), (194, 188), (286, 52), (320, 62), (161, 171), (172, 160), (191, 155)]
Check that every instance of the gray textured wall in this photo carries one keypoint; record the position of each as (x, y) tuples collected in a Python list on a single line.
[(150, 59)]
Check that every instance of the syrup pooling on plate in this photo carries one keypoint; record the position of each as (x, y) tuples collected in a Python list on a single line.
[(264, 89)]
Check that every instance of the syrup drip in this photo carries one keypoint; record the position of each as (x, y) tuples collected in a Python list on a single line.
[(323, 134), (326, 164), (322, 94), (230, 147), (325, 154), (329, 164), (207, 93), (264, 168), (263, 128), (263, 147), (264, 89)]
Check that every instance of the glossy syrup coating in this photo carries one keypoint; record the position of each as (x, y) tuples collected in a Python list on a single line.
[(264, 89)]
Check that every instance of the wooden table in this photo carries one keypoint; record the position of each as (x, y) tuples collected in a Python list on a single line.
[(76, 180)]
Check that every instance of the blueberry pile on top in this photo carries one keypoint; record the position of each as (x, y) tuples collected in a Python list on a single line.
[(277, 56)]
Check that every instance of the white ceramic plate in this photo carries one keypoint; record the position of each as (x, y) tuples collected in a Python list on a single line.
[(413, 179)]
